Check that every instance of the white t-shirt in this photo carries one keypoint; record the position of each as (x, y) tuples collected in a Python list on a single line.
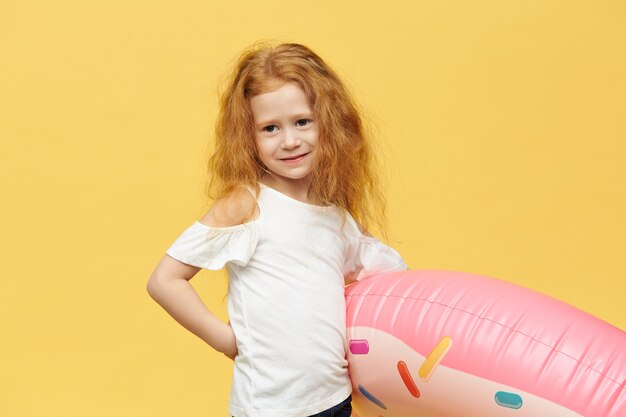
[(286, 300)]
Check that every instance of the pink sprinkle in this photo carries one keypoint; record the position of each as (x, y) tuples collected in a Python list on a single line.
[(359, 346)]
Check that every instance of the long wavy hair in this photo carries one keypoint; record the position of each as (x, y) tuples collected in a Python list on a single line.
[(345, 172)]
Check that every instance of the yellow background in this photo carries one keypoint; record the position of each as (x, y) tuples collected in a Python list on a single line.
[(502, 124)]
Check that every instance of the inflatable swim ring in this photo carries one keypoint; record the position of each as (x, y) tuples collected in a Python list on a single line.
[(453, 344)]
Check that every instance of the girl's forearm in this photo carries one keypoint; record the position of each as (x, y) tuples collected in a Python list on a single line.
[(182, 302)]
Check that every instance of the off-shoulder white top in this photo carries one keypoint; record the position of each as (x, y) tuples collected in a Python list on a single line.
[(286, 300)]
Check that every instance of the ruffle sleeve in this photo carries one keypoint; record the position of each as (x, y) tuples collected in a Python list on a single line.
[(369, 256), (374, 257), (213, 247)]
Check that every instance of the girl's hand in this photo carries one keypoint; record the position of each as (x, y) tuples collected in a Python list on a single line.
[(350, 278), (230, 343)]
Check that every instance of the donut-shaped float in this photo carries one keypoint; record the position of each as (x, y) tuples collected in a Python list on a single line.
[(453, 344)]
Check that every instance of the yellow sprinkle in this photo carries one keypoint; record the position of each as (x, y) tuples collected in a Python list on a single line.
[(434, 357)]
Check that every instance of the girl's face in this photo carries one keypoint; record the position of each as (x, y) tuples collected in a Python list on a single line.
[(286, 136)]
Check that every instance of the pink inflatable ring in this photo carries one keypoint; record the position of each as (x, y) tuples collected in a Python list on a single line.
[(453, 344)]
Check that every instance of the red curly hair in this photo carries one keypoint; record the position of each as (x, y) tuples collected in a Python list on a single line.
[(344, 175)]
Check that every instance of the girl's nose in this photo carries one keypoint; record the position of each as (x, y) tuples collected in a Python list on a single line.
[(290, 139)]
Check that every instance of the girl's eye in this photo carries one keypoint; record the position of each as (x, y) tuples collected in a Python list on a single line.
[(270, 128), (302, 122)]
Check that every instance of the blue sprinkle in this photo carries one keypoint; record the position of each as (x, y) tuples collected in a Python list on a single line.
[(508, 400), (372, 398)]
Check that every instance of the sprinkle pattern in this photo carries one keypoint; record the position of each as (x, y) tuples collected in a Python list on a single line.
[(425, 372), (508, 400), (434, 358), (407, 379), (371, 397), (359, 347)]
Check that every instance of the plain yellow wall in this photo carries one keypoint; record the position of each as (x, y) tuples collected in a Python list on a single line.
[(502, 124)]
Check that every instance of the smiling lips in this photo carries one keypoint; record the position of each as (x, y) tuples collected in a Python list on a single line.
[(294, 159)]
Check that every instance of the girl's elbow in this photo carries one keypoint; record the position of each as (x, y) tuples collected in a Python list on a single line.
[(153, 286)]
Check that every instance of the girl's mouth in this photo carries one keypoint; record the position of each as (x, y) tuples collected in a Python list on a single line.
[(294, 159)]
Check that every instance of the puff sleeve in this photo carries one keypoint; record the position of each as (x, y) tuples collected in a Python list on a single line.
[(369, 256), (212, 247)]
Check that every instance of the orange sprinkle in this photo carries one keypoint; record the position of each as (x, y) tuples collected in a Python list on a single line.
[(407, 379)]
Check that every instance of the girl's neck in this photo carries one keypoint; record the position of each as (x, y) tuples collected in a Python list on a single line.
[(296, 189)]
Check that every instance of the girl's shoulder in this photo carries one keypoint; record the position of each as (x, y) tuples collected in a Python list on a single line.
[(237, 207)]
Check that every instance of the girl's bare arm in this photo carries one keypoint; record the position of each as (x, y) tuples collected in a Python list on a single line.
[(169, 286), (169, 283)]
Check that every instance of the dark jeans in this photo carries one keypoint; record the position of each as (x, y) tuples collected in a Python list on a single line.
[(343, 409)]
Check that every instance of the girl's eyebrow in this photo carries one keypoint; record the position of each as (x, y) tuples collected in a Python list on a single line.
[(297, 116)]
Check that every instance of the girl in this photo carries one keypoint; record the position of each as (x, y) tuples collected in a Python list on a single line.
[(292, 171)]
